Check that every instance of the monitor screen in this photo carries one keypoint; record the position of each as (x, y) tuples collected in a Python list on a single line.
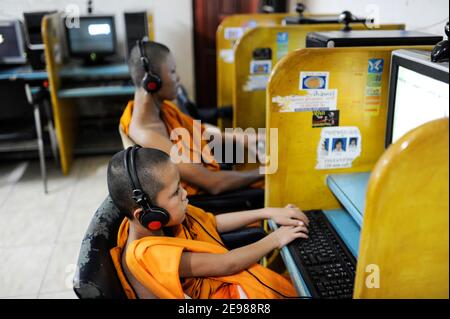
[(419, 99), (94, 35), (11, 43), (418, 92)]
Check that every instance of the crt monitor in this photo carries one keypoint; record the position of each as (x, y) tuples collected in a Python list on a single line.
[(93, 39), (33, 22), (419, 92), (12, 46)]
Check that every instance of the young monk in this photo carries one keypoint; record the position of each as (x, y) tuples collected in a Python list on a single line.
[(150, 119), (187, 257)]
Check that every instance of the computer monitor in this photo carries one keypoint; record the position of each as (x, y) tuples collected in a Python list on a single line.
[(93, 40), (12, 47), (419, 92), (369, 38), (136, 27), (33, 26)]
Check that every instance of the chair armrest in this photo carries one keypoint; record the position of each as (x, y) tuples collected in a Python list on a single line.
[(243, 237)]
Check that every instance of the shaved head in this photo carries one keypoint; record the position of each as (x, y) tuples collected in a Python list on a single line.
[(149, 164), (156, 53)]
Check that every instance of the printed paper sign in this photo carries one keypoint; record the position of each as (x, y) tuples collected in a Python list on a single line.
[(261, 67), (227, 55), (314, 80), (338, 147), (256, 83), (325, 119), (373, 101), (310, 100), (233, 34)]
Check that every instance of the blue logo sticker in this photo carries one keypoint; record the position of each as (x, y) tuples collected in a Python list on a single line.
[(376, 66), (283, 37)]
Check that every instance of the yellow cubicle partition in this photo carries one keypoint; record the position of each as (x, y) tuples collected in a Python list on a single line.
[(404, 246), (250, 76), (354, 84), (229, 32), (64, 110), (151, 26)]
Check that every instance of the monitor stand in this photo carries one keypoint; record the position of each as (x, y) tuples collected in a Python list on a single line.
[(94, 60)]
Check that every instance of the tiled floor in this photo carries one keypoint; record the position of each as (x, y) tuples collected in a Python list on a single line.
[(40, 235)]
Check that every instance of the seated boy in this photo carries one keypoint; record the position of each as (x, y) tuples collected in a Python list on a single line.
[(182, 253), (150, 119)]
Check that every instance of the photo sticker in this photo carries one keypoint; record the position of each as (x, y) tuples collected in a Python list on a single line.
[(261, 67), (325, 119), (353, 144), (314, 80), (339, 145)]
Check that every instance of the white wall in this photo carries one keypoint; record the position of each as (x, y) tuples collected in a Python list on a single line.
[(421, 15), (173, 21)]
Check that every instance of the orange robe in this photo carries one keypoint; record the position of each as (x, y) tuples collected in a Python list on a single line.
[(173, 118), (154, 261)]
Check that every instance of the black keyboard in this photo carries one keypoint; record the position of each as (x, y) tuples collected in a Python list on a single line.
[(324, 261)]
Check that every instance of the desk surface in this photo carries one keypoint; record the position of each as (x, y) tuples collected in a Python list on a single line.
[(97, 92), (103, 71), (351, 190), (23, 73), (347, 229)]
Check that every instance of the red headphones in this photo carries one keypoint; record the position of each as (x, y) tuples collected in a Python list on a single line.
[(151, 82)]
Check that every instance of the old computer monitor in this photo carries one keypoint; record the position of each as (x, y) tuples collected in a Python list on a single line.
[(419, 92), (136, 27), (12, 46), (93, 40)]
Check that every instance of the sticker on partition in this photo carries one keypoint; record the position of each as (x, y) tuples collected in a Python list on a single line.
[(227, 55), (338, 148), (256, 83), (233, 34), (250, 25), (325, 119), (314, 80), (307, 101), (261, 67), (282, 45), (373, 96)]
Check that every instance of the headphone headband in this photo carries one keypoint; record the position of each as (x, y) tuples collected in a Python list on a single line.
[(151, 82), (152, 217), (144, 59)]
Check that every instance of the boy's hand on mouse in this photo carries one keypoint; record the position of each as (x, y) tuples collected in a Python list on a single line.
[(286, 234), (291, 215)]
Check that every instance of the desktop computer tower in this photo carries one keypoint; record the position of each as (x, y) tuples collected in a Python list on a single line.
[(136, 27), (335, 39), (35, 43)]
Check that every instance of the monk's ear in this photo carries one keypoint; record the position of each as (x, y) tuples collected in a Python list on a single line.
[(137, 213)]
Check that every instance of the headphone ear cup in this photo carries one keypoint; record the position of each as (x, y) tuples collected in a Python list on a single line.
[(151, 83), (155, 219)]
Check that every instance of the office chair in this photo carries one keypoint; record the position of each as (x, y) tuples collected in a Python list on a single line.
[(206, 115), (20, 122), (96, 276)]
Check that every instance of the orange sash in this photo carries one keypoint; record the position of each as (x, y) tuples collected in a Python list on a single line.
[(173, 118)]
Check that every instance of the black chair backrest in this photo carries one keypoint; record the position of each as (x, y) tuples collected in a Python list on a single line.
[(14, 102), (96, 276), (185, 104)]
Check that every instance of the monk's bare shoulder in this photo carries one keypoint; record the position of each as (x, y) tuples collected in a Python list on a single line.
[(148, 136)]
